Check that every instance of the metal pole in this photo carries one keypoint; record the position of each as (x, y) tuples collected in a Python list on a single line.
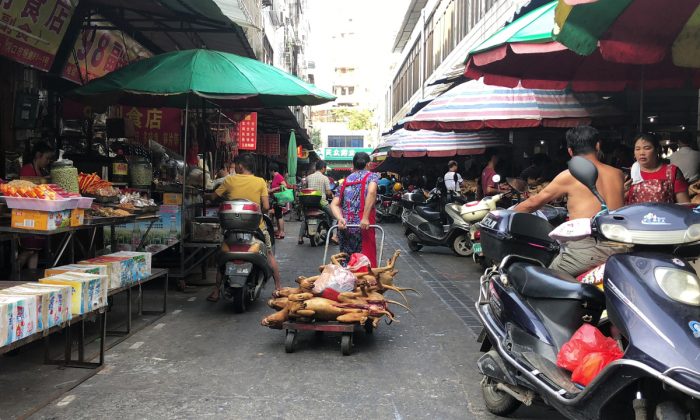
[(641, 101), (184, 188)]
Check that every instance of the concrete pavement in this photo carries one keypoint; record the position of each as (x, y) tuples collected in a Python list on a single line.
[(202, 360)]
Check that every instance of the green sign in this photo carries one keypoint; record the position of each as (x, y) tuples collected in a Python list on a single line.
[(343, 153)]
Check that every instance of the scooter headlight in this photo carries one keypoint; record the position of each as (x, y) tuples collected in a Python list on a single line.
[(679, 285), (692, 234), (616, 233)]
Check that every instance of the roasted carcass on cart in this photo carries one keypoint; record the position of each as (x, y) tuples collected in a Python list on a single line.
[(363, 302)]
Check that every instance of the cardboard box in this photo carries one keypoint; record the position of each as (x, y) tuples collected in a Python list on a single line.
[(102, 270), (89, 290), (172, 199), (164, 233), (40, 220), (141, 267), (21, 317), (59, 303), (119, 269), (41, 302), (77, 217)]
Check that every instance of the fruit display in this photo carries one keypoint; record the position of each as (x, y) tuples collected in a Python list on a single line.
[(363, 301), (26, 189)]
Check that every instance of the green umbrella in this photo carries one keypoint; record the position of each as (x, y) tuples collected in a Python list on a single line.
[(228, 79), (292, 159)]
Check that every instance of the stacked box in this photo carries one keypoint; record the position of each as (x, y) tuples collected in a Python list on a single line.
[(119, 269), (5, 313), (40, 220), (141, 267), (89, 290), (58, 310), (79, 268), (41, 302), (21, 317)]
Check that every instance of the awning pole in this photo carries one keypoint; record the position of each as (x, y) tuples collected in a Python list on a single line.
[(183, 216), (641, 101)]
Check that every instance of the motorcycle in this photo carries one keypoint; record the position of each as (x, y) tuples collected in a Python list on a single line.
[(423, 222), (317, 221), (652, 298), (554, 215), (389, 207), (242, 261)]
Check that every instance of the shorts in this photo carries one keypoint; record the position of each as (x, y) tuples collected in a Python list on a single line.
[(578, 257), (278, 211)]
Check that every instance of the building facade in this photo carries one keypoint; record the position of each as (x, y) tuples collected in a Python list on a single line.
[(434, 40)]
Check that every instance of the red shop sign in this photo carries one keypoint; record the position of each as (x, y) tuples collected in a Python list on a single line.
[(161, 125), (247, 135)]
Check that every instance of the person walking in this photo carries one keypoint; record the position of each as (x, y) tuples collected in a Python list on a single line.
[(354, 205), (277, 181)]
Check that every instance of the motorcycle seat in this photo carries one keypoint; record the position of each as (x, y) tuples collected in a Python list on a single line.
[(428, 213), (313, 212), (540, 282)]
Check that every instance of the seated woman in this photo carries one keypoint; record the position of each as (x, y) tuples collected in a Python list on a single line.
[(654, 181)]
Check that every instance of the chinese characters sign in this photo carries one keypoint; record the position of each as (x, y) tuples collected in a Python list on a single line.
[(247, 135), (343, 153), (32, 30), (99, 52), (162, 125), (268, 144)]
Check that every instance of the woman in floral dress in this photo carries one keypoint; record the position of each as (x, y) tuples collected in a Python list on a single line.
[(354, 205)]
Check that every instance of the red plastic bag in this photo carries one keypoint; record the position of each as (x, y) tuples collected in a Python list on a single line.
[(359, 263), (586, 340), (592, 364)]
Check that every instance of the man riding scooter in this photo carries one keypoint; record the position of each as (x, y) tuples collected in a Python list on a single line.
[(577, 257), (318, 181)]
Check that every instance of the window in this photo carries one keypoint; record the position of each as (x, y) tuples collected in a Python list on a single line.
[(351, 90), (345, 141)]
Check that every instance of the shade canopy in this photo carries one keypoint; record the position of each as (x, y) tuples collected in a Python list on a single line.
[(475, 106), (632, 31), (228, 79), (405, 143), (527, 53)]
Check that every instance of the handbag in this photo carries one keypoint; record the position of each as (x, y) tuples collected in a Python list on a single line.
[(284, 196)]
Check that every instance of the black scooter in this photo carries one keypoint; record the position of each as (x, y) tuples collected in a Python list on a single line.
[(652, 298)]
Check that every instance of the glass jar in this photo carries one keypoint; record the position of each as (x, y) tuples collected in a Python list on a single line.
[(140, 172), (65, 175), (119, 169)]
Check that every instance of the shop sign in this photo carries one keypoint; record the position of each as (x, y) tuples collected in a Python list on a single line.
[(269, 144), (343, 153), (162, 125), (31, 30), (98, 52), (247, 135)]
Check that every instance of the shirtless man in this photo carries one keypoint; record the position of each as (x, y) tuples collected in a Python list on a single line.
[(577, 257)]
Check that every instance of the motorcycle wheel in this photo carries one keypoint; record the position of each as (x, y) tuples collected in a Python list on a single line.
[(462, 245), (669, 410), (414, 246), (497, 402), (319, 238), (241, 296)]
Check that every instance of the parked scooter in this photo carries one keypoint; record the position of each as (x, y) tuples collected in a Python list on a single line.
[(389, 207), (438, 224), (652, 297), (243, 259), (317, 221)]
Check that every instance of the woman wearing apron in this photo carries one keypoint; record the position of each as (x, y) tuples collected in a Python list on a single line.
[(354, 205)]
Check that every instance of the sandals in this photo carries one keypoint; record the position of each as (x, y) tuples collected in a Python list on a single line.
[(211, 298), (300, 242), (277, 236)]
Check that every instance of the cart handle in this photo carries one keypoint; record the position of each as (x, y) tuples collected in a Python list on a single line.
[(375, 227)]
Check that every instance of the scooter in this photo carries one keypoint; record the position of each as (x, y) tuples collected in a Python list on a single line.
[(389, 207), (316, 220), (242, 261), (424, 223), (652, 298)]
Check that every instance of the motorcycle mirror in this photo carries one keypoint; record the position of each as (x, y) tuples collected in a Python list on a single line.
[(496, 179), (586, 173)]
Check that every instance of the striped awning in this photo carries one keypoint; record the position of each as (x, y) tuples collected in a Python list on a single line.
[(404, 143), (474, 106)]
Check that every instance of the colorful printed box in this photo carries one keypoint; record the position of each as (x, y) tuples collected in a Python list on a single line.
[(141, 267), (41, 302), (40, 220), (89, 290), (21, 317), (59, 307), (119, 269), (79, 268)]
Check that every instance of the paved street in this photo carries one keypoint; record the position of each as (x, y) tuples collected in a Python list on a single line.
[(202, 360)]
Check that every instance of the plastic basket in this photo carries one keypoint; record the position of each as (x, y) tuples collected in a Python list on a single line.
[(85, 202)]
